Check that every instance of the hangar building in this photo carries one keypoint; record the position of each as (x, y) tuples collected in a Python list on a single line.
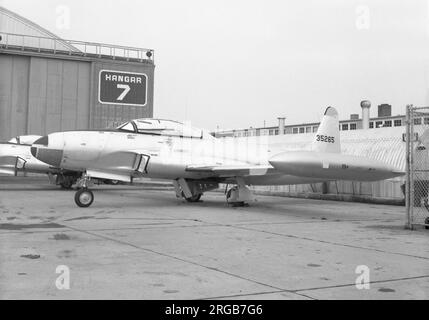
[(49, 84)]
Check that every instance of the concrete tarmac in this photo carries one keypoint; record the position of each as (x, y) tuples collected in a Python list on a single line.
[(143, 243)]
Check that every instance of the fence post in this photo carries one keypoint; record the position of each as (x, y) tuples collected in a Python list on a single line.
[(407, 170), (412, 184)]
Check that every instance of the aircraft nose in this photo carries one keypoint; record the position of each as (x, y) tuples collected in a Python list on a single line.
[(41, 151)]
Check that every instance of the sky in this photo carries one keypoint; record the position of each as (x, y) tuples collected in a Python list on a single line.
[(236, 64)]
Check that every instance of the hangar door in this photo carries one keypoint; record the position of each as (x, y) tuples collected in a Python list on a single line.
[(417, 172)]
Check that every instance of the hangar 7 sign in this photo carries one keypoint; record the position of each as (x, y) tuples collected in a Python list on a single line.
[(124, 88)]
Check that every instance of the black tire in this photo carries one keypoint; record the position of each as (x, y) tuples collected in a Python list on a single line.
[(84, 198), (195, 198), (427, 223)]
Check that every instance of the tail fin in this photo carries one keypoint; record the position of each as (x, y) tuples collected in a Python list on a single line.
[(327, 138)]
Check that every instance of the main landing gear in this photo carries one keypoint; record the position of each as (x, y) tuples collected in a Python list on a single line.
[(239, 195), (194, 198), (84, 197), (192, 190)]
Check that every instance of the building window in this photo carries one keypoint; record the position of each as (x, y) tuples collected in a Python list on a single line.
[(345, 127), (277, 132), (353, 126), (397, 123), (315, 128), (388, 123), (302, 130), (308, 130), (371, 125), (295, 130), (418, 121), (378, 124), (271, 132)]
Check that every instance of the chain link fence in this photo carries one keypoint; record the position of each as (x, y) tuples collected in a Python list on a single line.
[(417, 155)]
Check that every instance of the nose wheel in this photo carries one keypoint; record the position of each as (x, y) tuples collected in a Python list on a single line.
[(84, 198)]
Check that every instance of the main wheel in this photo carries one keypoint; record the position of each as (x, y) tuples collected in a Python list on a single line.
[(84, 198), (195, 198)]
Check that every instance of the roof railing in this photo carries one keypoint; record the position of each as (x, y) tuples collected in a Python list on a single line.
[(58, 46)]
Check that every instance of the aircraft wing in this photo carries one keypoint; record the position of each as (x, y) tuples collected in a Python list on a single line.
[(232, 170)]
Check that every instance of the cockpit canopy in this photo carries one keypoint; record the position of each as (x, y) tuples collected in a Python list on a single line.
[(162, 127), (25, 140)]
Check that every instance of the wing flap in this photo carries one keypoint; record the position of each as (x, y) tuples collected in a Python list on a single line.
[(108, 175), (231, 170)]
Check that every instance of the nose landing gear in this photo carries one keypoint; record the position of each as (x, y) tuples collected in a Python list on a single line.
[(84, 197)]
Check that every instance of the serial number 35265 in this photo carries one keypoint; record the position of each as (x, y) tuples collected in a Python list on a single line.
[(323, 138)]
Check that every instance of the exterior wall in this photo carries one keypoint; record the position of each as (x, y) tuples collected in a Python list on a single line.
[(58, 95), (14, 84), (40, 94), (374, 123), (386, 189)]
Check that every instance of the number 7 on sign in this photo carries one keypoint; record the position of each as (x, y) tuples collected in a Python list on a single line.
[(126, 89)]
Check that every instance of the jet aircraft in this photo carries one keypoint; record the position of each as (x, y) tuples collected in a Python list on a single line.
[(197, 162)]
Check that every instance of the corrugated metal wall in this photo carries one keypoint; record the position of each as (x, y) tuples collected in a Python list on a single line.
[(14, 84), (384, 144), (41, 94), (58, 95)]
